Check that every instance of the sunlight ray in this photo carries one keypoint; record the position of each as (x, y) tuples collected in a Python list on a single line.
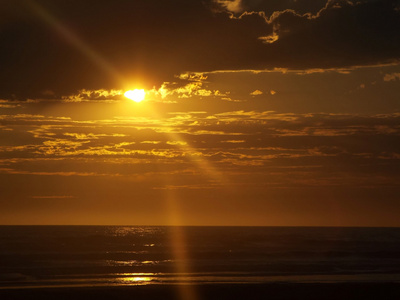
[(74, 40)]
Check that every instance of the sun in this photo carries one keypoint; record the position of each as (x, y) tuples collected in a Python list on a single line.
[(135, 95)]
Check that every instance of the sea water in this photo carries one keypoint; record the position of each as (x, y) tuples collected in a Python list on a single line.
[(60, 256)]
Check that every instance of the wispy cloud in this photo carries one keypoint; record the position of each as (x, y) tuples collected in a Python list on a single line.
[(53, 197), (94, 95), (391, 77), (287, 148)]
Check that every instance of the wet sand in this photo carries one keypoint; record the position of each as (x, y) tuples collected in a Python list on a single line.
[(275, 291)]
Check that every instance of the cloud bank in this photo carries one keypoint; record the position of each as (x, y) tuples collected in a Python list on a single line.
[(59, 47)]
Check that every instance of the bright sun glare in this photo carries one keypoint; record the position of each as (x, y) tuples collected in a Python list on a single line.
[(135, 95)]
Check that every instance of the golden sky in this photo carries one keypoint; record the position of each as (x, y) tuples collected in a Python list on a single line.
[(280, 113)]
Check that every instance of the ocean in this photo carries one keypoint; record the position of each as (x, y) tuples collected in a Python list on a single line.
[(75, 256)]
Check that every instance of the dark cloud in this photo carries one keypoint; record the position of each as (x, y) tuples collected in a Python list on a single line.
[(64, 46), (270, 6), (342, 34)]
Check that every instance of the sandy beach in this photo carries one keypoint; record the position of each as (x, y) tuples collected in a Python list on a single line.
[(276, 291)]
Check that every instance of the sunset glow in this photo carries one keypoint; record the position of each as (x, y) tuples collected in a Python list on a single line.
[(200, 149), (200, 112)]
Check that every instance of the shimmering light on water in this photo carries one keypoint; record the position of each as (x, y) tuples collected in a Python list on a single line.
[(49, 256)]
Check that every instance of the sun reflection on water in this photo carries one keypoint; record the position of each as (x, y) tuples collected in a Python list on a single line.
[(135, 279)]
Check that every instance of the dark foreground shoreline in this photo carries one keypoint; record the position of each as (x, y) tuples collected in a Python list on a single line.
[(273, 291)]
